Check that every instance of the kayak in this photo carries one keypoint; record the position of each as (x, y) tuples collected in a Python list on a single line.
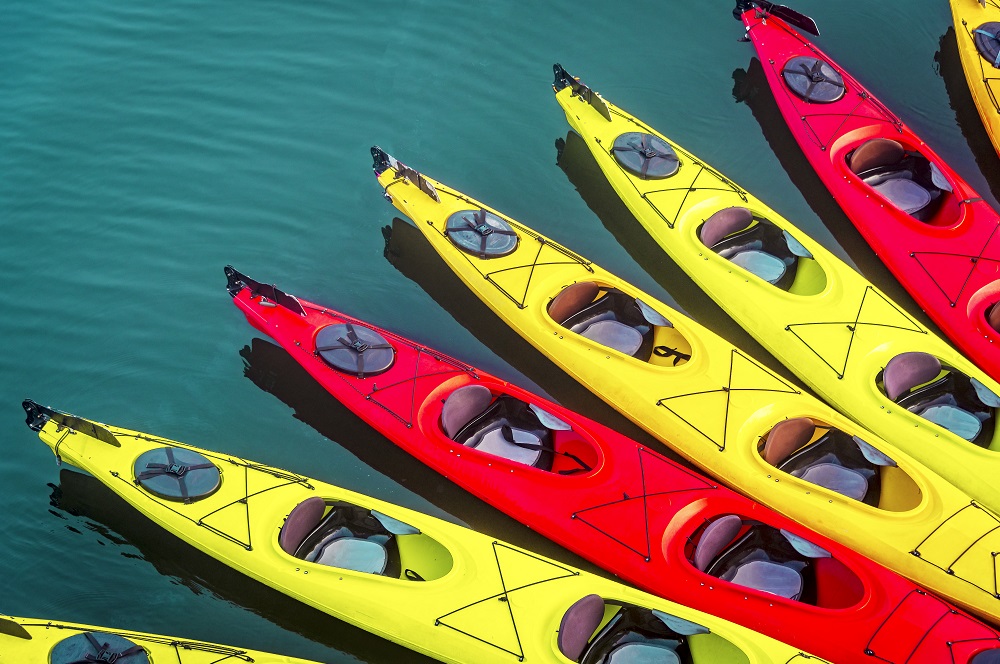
[(432, 586), (709, 401), (564, 476), (977, 27), (845, 338), (931, 229), (29, 640)]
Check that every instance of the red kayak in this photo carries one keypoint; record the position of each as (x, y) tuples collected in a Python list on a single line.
[(648, 520), (932, 230)]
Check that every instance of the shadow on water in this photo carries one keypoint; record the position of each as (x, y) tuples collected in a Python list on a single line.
[(751, 88), (410, 253), (949, 67), (117, 521), (273, 370), (584, 173)]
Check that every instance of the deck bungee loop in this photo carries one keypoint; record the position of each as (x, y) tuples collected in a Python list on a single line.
[(432, 586)]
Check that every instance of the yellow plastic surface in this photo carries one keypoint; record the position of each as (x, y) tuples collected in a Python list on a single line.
[(479, 588)]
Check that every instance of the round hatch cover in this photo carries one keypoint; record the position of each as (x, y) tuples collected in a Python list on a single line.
[(354, 349), (176, 473), (813, 79), (97, 647), (645, 155), (987, 38), (481, 233)]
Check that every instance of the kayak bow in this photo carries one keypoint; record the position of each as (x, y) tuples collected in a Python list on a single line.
[(27, 640), (432, 586), (648, 520)]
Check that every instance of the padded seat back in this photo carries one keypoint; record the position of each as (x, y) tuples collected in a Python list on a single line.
[(578, 624), (908, 370), (572, 300), (717, 536), (462, 406), (993, 317), (876, 153), (300, 522)]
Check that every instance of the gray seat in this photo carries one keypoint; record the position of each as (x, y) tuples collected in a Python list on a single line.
[(611, 333), (769, 577), (764, 265), (896, 185), (643, 653), (844, 481), (957, 420), (904, 193), (359, 555), (494, 442), (469, 402)]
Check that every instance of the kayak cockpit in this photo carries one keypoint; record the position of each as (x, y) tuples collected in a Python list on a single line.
[(346, 536), (505, 426), (941, 394), (599, 631), (619, 321), (757, 245), (828, 457), (754, 555), (905, 178)]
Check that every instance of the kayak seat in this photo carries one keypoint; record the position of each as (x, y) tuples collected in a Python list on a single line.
[(608, 317), (987, 39), (347, 537), (504, 427), (943, 395), (754, 244), (759, 557), (813, 80), (633, 635), (835, 460), (906, 179), (481, 233)]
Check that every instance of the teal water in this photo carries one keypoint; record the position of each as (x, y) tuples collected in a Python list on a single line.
[(144, 145)]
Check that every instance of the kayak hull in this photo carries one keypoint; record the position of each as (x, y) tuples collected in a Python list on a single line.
[(462, 596)]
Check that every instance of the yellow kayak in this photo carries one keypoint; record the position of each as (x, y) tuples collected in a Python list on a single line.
[(25, 640), (432, 586), (706, 399), (846, 339), (977, 28)]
